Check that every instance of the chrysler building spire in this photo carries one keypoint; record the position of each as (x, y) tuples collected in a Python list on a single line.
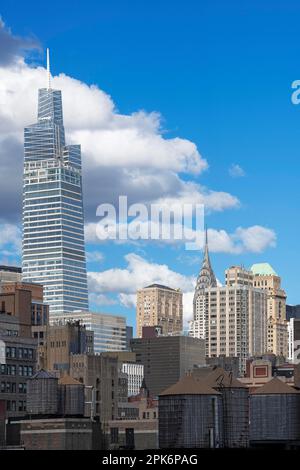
[(206, 276), (205, 280)]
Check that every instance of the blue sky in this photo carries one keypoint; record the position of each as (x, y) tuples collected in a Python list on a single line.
[(220, 74)]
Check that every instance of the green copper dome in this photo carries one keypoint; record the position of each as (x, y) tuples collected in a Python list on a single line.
[(263, 269)]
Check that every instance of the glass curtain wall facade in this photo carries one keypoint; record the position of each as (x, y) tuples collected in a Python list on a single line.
[(53, 226), (109, 330)]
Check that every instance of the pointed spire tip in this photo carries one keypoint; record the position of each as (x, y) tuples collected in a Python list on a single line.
[(48, 70)]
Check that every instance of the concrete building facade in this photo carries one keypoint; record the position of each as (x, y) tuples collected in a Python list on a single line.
[(167, 358), (236, 322), (18, 350), (60, 342), (264, 277), (135, 374), (100, 375)]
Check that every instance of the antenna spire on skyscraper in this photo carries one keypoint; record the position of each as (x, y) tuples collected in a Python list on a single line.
[(48, 70)]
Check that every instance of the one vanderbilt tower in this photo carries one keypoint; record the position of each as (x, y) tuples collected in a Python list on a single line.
[(53, 228)]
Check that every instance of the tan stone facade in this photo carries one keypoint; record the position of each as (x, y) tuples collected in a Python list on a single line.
[(59, 343), (277, 323), (100, 374), (159, 306)]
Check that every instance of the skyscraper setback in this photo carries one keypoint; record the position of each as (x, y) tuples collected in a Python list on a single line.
[(53, 228)]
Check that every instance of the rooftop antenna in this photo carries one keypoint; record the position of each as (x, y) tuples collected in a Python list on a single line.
[(206, 236), (48, 71)]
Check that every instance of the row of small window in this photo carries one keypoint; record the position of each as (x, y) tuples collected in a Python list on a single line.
[(51, 213), (146, 415), (32, 200), (11, 369), (58, 344), (12, 405), (20, 353), (11, 387), (12, 333)]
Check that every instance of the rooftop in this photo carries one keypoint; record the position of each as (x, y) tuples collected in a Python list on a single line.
[(190, 385), (219, 378), (275, 387), (11, 269), (263, 269), (43, 374), (68, 380), (160, 286)]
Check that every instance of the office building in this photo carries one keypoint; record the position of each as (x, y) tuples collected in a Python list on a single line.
[(60, 341), (25, 300), (53, 226), (135, 374), (266, 278), (109, 330), (128, 367), (159, 305), (17, 350), (167, 358), (99, 373), (206, 278), (238, 276), (236, 322)]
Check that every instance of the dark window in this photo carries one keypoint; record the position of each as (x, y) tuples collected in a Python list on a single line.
[(114, 435), (129, 432)]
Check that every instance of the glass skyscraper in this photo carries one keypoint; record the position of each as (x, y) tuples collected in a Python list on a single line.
[(53, 227)]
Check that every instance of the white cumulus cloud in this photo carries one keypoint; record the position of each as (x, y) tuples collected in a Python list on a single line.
[(122, 154), (139, 273), (236, 171)]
